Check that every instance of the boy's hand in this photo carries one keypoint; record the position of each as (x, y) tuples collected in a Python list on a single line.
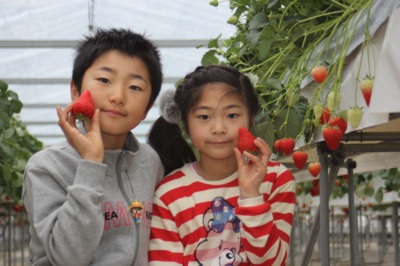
[(252, 174), (89, 146)]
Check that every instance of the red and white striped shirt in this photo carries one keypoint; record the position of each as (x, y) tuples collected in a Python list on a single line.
[(200, 222)]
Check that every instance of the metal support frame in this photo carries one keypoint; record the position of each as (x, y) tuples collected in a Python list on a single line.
[(395, 232), (328, 182), (352, 214)]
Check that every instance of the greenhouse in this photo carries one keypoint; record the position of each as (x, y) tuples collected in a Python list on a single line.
[(309, 62)]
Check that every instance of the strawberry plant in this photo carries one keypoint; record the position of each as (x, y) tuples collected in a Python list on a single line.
[(282, 44), (278, 44), (16, 145)]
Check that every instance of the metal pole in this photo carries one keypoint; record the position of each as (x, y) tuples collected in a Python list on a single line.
[(337, 160), (395, 232), (352, 214), (324, 210)]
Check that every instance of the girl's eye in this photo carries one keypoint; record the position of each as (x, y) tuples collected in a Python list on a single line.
[(135, 88), (104, 80), (203, 117), (233, 115)]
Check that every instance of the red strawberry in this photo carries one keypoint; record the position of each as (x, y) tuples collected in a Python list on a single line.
[(319, 73), (332, 136), (339, 122), (277, 145), (314, 168), (246, 141), (366, 88), (325, 116), (83, 108), (300, 158), (287, 145)]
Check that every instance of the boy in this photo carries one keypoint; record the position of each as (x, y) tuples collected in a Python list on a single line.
[(78, 193)]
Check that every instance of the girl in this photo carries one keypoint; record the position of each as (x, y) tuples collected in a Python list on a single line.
[(217, 210)]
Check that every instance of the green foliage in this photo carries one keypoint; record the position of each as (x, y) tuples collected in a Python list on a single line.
[(279, 42), (16, 144)]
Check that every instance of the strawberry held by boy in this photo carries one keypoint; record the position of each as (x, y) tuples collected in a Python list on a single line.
[(83, 108)]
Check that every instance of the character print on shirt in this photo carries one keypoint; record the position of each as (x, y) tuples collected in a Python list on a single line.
[(222, 244), (117, 214)]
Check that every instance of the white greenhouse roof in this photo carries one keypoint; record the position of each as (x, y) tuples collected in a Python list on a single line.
[(37, 39)]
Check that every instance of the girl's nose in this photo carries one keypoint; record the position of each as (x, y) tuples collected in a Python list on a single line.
[(218, 128)]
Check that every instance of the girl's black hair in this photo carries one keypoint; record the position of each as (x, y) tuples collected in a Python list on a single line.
[(167, 138)]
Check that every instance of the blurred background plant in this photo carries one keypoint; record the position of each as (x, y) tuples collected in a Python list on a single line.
[(16, 145)]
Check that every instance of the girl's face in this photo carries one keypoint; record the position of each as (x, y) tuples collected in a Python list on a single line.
[(120, 87), (213, 125)]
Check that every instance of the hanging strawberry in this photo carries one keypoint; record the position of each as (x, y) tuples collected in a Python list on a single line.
[(339, 122), (319, 73), (354, 116), (366, 88), (314, 168), (332, 136), (287, 145), (300, 158), (83, 108)]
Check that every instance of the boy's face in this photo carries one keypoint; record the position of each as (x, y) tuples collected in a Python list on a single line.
[(120, 87)]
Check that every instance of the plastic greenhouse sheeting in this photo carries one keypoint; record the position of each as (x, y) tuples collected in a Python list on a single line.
[(47, 20)]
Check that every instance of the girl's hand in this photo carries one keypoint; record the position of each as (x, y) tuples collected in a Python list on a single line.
[(252, 174), (90, 145)]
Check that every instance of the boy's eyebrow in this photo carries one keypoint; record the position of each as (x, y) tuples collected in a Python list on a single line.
[(132, 75)]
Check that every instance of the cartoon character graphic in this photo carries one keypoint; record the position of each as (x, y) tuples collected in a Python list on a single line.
[(222, 244), (136, 209)]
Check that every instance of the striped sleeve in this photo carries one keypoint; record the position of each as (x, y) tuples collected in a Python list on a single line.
[(266, 226), (165, 244)]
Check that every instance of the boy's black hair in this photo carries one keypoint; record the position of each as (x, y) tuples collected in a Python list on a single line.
[(126, 42), (167, 138)]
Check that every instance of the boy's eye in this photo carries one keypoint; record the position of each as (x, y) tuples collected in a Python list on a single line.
[(104, 80)]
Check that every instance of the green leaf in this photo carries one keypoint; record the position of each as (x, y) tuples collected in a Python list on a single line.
[(7, 173), (379, 195), (209, 58), (3, 86), (8, 132), (258, 21), (214, 43), (264, 129), (288, 123), (7, 150), (4, 119)]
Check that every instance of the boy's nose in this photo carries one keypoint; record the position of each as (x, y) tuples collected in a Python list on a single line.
[(118, 96)]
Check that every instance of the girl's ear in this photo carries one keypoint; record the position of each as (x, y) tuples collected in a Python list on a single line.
[(74, 91)]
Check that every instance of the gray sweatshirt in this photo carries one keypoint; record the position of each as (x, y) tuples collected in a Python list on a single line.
[(79, 210)]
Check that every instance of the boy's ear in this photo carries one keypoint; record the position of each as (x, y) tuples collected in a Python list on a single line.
[(74, 91)]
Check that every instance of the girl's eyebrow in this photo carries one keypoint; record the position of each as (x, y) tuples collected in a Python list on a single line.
[(203, 107)]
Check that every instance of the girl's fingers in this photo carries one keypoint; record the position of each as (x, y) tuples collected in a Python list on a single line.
[(239, 157)]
